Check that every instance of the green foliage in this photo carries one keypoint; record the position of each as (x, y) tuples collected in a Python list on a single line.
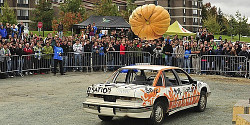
[(212, 24), (73, 6), (106, 8), (43, 13), (8, 15), (242, 26), (129, 9)]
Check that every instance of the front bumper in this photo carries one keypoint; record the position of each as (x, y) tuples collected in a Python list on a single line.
[(109, 110)]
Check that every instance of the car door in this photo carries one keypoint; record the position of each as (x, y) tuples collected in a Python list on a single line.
[(188, 88), (173, 90)]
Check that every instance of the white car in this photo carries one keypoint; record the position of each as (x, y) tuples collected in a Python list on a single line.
[(146, 91)]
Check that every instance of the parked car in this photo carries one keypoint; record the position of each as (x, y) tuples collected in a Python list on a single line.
[(146, 91)]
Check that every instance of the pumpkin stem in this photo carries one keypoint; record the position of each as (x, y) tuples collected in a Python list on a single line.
[(147, 22)]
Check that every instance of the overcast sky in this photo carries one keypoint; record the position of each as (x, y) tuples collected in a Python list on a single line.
[(231, 6)]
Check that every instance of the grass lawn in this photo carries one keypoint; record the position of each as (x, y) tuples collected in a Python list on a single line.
[(235, 38), (47, 32)]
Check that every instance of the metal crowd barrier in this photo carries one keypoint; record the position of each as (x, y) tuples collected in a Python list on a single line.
[(112, 60), (73, 61), (189, 62), (225, 65), (116, 59)]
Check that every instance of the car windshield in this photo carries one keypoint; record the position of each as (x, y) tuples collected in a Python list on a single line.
[(134, 76)]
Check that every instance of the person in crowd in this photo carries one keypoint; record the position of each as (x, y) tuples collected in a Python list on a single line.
[(168, 50), (95, 51), (147, 48), (130, 35), (78, 49), (6, 59), (60, 30), (122, 51), (48, 51), (110, 49), (180, 54), (158, 54), (187, 59), (94, 28), (38, 57), (3, 32), (58, 52), (27, 58), (20, 29), (65, 56)]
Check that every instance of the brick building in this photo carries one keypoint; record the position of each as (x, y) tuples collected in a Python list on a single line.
[(187, 12), (22, 8)]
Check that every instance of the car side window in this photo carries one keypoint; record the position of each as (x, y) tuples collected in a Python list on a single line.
[(160, 81), (184, 78), (170, 78)]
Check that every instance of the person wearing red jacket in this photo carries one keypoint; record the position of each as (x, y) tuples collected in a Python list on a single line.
[(27, 51), (122, 52)]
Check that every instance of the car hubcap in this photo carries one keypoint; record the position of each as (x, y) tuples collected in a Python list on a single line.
[(203, 102), (158, 114)]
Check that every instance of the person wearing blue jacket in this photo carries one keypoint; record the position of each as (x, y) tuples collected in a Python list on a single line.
[(187, 59), (58, 51), (3, 32)]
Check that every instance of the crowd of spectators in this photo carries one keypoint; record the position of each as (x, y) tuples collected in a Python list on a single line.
[(165, 50)]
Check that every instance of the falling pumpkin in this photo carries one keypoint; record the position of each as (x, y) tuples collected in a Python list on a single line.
[(149, 21)]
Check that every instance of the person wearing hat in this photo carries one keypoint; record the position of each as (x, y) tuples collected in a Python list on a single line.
[(58, 51)]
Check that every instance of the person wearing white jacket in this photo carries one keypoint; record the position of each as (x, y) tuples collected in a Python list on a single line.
[(78, 49)]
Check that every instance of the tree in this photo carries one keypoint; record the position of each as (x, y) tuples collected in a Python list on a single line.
[(106, 8), (129, 9), (242, 26), (43, 13), (8, 15), (212, 24), (68, 20), (73, 6)]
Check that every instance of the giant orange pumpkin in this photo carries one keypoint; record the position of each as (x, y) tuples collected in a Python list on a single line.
[(149, 21)]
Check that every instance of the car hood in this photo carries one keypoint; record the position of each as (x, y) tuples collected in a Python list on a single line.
[(119, 89)]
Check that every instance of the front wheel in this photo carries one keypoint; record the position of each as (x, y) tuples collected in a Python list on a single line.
[(158, 114), (105, 118), (202, 102)]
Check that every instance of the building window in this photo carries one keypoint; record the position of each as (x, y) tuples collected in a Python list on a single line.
[(184, 11), (156, 2), (200, 12), (22, 14), (22, 1), (195, 20), (184, 20), (200, 21), (194, 3), (184, 2), (195, 12), (36, 2), (1, 1)]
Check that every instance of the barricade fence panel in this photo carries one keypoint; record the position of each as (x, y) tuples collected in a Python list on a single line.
[(225, 65), (112, 60)]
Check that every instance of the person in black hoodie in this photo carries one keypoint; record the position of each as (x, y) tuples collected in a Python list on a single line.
[(147, 48), (168, 50), (65, 56), (8, 29), (19, 52), (87, 50)]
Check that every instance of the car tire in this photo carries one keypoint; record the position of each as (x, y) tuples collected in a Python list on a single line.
[(158, 114), (202, 102), (105, 118)]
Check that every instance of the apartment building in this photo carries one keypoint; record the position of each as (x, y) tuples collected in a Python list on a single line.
[(187, 12), (89, 4), (22, 8)]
